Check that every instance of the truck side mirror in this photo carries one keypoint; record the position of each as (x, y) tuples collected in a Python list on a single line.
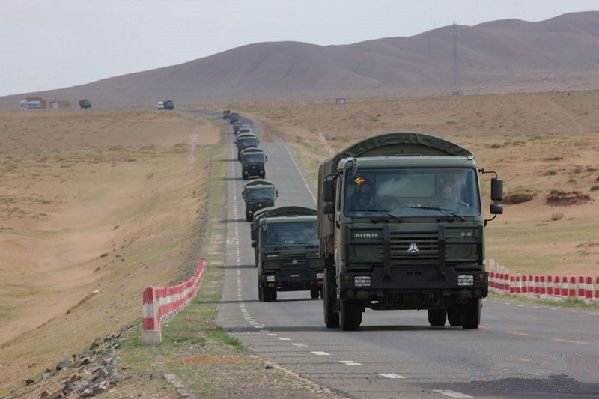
[(496, 189), (265, 158), (496, 209), (328, 190), (253, 244), (277, 193), (328, 208)]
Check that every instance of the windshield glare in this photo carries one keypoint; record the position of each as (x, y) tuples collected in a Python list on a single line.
[(260, 193), (405, 192), (291, 234), (258, 158), (249, 142)]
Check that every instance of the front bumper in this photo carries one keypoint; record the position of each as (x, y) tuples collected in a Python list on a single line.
[(413, 288), (293, 280)]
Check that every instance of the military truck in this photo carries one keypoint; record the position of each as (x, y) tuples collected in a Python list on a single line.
[(233, 117), (246, 140), (244, 129), (285, 242), (252, 163), (226, 113), (236, 127), (401, 227), (258, 194), (169, 104), (85, 104)]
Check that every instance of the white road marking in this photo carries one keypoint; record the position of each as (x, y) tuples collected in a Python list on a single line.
[(300, 345), (452, 394), (392, 376), (272, 334), (320, 353), (284, 339), (350, 363)]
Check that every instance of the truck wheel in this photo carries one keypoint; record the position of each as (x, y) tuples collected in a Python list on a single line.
[(314, 293), (437, 317), (471, 314), (260, 293), (331, 317), (320, 293), (454, 316), (245, 176), (270, 294), (350, 314)]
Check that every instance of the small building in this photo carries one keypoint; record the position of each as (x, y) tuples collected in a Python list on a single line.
[(340, 101), (35, 102), (56, 104)]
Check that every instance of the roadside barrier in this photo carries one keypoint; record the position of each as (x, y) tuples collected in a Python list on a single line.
[(549, 287), (162, 303)]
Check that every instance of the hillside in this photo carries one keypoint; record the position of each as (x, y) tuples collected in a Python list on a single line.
[(505, 55)]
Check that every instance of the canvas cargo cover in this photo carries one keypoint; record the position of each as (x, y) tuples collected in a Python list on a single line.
[(280, 211), (259, 182)]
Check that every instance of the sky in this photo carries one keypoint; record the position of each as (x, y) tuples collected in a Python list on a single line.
[(61, 43)]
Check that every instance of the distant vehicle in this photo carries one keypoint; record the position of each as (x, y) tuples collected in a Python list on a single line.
[(252, 163), (234, 117), (258, 194), (401, 227), (246, 140), (285, 242), (226, 114), (160, 105), (242, 130), (85, 104), (169, 104), (236, 127)]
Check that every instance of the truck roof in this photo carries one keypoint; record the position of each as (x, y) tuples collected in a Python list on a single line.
[(290, 219), (411, 161), (259, 182), (252, 150)]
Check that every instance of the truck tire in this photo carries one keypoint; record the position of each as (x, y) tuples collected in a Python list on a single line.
[(331, 317), (314, 293), (350, 314), (245, 176), (260, 293), (471, 311), (437, 317), (269, 294), (454, 316)]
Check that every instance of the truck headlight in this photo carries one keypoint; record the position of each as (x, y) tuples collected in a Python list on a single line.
[(319, 275), (465, 280), (362, 281), (270, 278)]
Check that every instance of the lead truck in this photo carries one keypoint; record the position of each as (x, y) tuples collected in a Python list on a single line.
[(401, 226)]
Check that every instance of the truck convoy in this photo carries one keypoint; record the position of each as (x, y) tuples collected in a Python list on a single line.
[(258, 194), (400, 227), (285, 242), (252, 163)]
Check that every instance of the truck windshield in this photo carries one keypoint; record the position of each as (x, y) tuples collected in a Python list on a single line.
[(260, 193), (412, 192), (303, 233), (253, 158), (249, 142)]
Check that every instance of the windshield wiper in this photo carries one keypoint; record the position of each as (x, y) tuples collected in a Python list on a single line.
[(442, 210), (382, 211)]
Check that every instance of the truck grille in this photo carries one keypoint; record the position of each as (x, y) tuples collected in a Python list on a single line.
[(414, 248), (294, 260)]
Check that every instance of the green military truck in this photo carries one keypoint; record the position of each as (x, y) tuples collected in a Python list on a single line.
[(285, 242), (258, 194), (233, 117), (226, 113), (243, 129), (252, 163), (244, 141), (401, 227)]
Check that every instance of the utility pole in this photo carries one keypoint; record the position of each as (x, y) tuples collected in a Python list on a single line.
[(456, 85)]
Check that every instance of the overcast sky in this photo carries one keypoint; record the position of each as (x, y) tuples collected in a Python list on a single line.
[(50, 44)]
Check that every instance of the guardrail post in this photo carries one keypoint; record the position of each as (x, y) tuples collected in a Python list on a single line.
[(150, 332)]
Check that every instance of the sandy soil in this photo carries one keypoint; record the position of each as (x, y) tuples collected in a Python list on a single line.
[(538, 142), (93, 207)]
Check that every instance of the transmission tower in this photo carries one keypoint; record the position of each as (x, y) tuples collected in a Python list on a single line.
[(456, 84)]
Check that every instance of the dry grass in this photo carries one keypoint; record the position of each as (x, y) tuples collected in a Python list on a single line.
[(538, 143), (106, 207)]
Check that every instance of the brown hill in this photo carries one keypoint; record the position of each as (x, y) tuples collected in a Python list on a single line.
[(505, 55)]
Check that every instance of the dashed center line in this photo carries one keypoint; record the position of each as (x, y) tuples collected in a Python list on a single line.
[(392, 376), (350, 363), (320, 353), (300, 345), (284, 339), (452, 394)]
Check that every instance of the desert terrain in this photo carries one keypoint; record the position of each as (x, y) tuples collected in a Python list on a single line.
[(94, 206), (545, 146)]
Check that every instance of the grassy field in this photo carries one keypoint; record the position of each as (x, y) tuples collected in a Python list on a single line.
[(93, 207), (538, 142)]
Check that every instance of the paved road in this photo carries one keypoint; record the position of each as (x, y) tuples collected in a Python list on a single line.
[(520, 351)]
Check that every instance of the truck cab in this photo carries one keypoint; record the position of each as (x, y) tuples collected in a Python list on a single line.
[(401, 227), (285, 242), (252, 163), (245, 141), (258, 194)]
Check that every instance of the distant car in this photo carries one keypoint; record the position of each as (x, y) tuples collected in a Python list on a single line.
[(85, 104), (160, 105), (169, 104)]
